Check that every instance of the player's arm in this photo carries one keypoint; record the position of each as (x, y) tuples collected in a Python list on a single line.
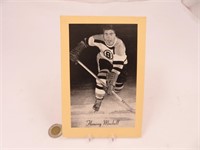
[(95, 40), (91, 41)]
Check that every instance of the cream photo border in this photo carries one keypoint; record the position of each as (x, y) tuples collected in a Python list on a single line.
[(67, 131)]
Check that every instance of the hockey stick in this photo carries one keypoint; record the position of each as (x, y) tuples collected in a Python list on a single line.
[(117, 96)]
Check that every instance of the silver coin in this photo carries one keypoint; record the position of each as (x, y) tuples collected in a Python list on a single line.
[(55, 130)]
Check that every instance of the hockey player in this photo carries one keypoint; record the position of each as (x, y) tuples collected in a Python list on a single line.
[(111, 61)]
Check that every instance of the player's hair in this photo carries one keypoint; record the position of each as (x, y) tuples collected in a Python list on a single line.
[(108, 27)]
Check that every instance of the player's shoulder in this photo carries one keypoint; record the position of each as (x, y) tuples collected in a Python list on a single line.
[(119, 42)]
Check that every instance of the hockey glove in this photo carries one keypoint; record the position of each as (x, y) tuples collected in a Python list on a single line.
[(111, 80), (74, 53)]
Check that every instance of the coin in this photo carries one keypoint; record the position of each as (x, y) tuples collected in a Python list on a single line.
[(55, 130)]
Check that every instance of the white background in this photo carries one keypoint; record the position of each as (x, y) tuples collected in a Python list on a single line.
[(31, 74)]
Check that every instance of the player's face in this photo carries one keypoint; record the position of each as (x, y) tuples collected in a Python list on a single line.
[(109, 36)]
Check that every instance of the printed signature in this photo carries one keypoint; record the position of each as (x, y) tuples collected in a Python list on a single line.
[(103, 123)]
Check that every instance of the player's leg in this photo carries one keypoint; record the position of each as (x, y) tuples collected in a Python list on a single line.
[(104, 67), (99, 89), (121, 80)]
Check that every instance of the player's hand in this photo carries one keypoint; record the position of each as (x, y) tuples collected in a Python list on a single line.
[(110, 89), (76, 51)]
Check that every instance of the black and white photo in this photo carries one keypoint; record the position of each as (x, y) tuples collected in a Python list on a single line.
[(103, 68)]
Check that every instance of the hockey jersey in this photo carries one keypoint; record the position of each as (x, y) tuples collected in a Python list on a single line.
[(115, 54)]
